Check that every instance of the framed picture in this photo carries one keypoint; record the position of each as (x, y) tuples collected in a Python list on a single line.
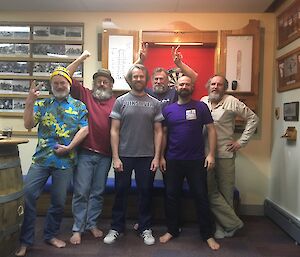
[(12, 105), (53, 32), (8, 50), (291, 111), (118, 49), (74, 33), (14, 86), (288, 24), (46, 68), (6, 104), (14, 68), (239, 62), (14, 32), (288, 70)]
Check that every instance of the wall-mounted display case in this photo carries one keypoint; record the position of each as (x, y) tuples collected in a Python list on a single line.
[(31, 51)]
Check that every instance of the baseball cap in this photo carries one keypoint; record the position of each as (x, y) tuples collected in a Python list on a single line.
[(105, 73)]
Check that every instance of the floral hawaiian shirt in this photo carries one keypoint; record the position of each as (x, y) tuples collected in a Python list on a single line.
[(58, 123)]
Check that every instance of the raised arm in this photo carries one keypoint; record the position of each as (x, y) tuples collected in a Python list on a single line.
[(74, 65), (143, 52), (187, 70), (29, 103)]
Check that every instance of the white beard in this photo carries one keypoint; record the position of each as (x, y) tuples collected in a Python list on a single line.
[(61, 94), (215, 97), (102, 94)]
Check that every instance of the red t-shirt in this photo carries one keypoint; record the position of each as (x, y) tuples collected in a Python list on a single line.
[(98, 139)]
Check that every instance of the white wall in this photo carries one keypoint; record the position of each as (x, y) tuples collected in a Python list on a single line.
[(285, 158)]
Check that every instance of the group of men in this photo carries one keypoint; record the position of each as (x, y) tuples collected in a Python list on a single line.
[(142, 130)]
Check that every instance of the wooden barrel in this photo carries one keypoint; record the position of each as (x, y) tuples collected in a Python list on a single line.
[(11, 196)]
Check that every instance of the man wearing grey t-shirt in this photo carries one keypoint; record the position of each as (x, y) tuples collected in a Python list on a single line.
[(136, 135)]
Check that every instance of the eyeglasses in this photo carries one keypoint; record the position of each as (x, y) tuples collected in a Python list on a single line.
[(103, 82)]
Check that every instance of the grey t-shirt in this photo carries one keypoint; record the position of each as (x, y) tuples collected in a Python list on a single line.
[(137, 115)]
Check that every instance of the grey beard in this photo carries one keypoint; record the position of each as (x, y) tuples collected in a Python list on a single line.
[(60, 95), (160, 89), (215, 97), (102, 95)]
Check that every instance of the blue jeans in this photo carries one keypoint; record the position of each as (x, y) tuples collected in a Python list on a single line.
[(89, 186), (144, 180), (35, 180)]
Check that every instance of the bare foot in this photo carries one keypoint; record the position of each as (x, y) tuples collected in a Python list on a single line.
[(57, 243), (213, 244), (75, 238), (21, 251), (96, 232), (165, 238), (136, 226)]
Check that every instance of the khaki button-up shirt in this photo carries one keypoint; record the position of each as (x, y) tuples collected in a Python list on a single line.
[(224, 115)]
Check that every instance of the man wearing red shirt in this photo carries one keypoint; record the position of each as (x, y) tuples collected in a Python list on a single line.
[(94, 158)]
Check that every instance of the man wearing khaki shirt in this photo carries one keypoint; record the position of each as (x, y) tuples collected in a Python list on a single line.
[(224, 110)]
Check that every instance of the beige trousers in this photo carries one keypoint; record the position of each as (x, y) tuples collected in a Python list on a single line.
[(220, 183)]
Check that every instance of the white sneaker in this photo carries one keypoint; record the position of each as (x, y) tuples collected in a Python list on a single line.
[(111, 237), (147, 236)]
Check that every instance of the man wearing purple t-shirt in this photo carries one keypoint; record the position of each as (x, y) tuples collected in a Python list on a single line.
[(183, 156)]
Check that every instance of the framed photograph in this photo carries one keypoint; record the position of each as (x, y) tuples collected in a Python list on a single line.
[(14, 86), (73, 51), (19, 104), (9, 105), (41, 32), (14, 68), (6, 104), (288, 70), (14, 32), (288, 24), (44, 86), (56, 50), (6, 86), (20, 86), (8, 50), (291, 111), (57, 32), (74, 33), (48, 50), (239, 62), (45, 68)]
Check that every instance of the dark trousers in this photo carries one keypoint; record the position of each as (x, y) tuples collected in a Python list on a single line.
[(195, 173), (144, 178)]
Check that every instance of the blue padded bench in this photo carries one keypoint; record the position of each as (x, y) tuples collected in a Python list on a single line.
[(158, 201), (110, 184)]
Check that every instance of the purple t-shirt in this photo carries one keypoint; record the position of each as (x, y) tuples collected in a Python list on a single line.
[(185, 124)]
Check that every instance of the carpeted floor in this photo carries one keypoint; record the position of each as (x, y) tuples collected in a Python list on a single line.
[(259, 238)]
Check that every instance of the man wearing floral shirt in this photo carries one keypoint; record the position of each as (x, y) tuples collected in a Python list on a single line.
[(62, 126)]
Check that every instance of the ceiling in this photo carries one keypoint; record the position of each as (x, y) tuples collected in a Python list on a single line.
[(205, 6)]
